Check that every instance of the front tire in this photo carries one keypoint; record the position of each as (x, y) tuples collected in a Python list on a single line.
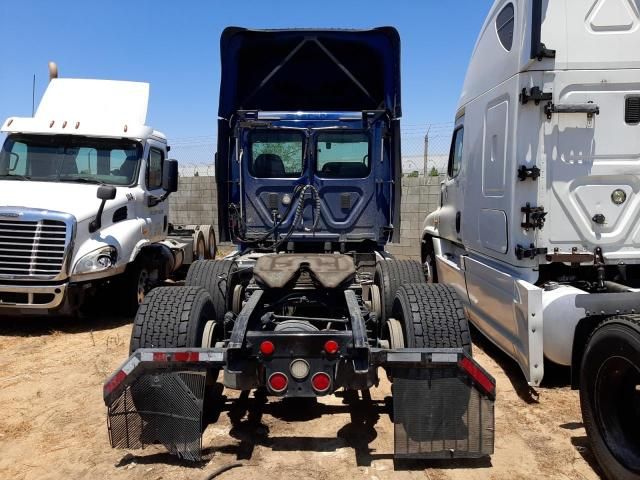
[(138, 280), (610, 395)]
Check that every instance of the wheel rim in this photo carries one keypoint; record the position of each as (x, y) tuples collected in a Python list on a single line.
[(617, 409), (393, 333), (238, 294), (209, 334), (428, 268), (212, 245), (143, 285), (200, 249)]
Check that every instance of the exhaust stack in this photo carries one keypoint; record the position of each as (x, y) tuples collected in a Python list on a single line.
[(53, 70)]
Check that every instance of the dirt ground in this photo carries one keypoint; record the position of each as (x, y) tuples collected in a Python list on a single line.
[(53, 421)]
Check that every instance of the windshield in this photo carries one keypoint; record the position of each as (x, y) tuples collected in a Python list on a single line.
[(343, 155), (66, 158)]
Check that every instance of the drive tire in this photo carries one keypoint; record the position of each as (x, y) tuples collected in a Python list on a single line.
[(390, 274), (172, 317), (135, 284), (432, 316), (610, 395), (215, 276)]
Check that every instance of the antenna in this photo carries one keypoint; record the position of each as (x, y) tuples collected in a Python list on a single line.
[(33, 95)]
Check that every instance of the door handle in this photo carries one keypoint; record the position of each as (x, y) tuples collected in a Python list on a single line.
[(458, 221)]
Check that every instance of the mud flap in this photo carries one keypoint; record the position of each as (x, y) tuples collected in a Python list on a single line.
[(161, 408), (441, 413)]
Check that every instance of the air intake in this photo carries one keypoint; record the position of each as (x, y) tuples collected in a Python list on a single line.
[(632, 110)]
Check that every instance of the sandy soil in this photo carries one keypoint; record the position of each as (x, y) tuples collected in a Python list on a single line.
[(52, 421)]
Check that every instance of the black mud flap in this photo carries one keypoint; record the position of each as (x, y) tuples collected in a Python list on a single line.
[(160, 408), (440, 413)]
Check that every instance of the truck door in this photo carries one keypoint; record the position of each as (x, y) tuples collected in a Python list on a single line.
[(452, 193), (155, 215)]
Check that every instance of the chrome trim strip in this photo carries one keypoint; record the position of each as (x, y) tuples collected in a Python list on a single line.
[(37, 215), (58, 292)]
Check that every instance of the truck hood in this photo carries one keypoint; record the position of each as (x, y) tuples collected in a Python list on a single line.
[(78, 200), (310, 70)]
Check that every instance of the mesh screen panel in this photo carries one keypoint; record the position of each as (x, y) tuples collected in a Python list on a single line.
[(437, 414), (162, 409)]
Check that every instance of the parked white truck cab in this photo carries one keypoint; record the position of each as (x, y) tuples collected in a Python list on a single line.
[(82, 199), (538, 226)]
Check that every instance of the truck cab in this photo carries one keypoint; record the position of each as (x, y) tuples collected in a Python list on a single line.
[(307, 125), (82, 198), (537, 227)]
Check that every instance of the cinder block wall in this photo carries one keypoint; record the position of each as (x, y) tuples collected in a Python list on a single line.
[(195, 203)]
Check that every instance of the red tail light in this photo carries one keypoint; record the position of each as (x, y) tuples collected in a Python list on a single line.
[(278, 382), (321, 382), (331, 347), (480, 377), (267, 348)]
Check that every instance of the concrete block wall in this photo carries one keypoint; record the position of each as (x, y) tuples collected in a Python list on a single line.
[(195, 202), (420, 196)]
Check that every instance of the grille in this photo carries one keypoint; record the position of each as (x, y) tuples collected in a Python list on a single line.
[(162, 408), (632, 110), (32, 248), (437, 414)]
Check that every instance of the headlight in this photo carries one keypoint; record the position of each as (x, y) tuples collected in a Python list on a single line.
[(97, 261)]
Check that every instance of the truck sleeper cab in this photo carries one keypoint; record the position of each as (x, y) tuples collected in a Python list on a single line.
[(537, 227), (308, 174)]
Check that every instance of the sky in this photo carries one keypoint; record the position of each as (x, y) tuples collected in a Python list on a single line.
[(174, 45)]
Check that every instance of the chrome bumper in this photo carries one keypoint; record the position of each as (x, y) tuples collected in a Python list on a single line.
[(40, 297)]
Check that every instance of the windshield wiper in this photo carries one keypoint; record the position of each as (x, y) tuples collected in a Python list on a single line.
[(80, 180), (15, 177)]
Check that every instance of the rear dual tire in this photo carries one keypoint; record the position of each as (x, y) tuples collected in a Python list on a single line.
[(390, 275), (216, 277), (172, 317)]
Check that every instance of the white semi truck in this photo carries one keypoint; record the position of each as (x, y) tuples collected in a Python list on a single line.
[(538, 225), (83, 201)]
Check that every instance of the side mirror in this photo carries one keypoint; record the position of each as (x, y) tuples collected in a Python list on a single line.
[(106, 192), (170, 176)]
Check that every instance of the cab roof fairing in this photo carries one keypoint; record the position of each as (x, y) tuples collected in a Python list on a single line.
[(310, 70)]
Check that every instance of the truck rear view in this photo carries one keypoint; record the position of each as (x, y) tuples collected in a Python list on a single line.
[(308, 173)]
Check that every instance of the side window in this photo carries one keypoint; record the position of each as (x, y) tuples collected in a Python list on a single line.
[(455, 155), (504, 26), (15, 160), (154, 169)]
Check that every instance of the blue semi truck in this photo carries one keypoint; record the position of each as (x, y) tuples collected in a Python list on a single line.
[(308, 170)]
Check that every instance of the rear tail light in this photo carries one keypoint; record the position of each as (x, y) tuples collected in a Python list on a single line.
[(478, 375), (331, 347), (321, 382), (267, 348), (278, 382)]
